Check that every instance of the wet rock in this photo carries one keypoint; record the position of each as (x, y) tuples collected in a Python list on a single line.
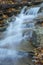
[(35, 39)]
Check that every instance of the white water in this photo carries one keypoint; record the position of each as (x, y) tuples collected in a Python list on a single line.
[(18, 30), (11, 57), (12, 53)]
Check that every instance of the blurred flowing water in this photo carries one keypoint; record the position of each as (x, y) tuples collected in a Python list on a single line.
[(16, 37), (11, 57), (18, 32)]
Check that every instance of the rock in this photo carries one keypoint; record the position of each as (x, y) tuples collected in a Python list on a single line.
[(37, 38)]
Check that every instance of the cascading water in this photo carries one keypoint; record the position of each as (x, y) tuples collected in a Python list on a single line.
[(32, 11), (11, 57), (18, 30)]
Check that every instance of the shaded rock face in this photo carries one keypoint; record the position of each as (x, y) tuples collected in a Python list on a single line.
[(35, 39), (11, 57)]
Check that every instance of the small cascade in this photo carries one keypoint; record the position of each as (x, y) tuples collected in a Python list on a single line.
[(20, 29)]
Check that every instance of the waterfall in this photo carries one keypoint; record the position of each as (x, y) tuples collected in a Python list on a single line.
[(18, 34), (20, 29)]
